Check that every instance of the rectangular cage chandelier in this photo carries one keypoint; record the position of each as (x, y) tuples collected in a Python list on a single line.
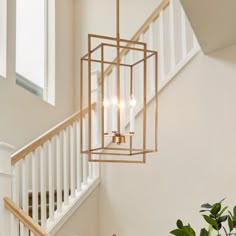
[(119, 85)]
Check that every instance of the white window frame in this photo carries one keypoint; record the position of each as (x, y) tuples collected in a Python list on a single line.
[(3, 38), (50, 69), (48, 93)]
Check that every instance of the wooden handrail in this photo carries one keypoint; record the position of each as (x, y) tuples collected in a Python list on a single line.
[(24, 218), (48, 135), (141, 30)]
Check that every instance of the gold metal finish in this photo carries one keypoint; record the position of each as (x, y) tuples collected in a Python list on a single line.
[(120, 143), (118, 138)]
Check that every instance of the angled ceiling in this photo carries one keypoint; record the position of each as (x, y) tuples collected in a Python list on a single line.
[(213, 21)]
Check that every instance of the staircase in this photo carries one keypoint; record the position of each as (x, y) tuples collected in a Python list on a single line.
[(30, 201), (51, 178)]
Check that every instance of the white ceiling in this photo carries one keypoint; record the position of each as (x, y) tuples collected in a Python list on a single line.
[(213, 21)]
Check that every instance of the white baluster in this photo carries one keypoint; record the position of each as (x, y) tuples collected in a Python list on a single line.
[(90, 164), (42, 185), (25, 197), (65, 167), (51, 180), (79, 161), (138, 73), (95, 169), (90, 168), (172, 35), (99, 110), (85, 156), (151, 79), (15, 184), (162, 46), (22, 229), (150, 37), (34, 186), (15, 198), (72, 160), (184, 34), (95, 136), (6, 226), (59, 173)]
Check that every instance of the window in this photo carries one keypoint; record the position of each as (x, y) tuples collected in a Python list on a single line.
[(31, 45), (3, 37)]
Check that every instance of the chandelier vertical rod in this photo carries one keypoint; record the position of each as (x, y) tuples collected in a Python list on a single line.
[(89, 99), (156, 98), (102, 91), (118, 19), (118, 63), (131, 92), (145, 102)]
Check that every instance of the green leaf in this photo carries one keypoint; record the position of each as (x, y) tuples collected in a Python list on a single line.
[(222, 219), (234, 223), (231, 214), (203, 210), (206, 205), (218, 227), (234, 211), (223, 210), (230, 224), (203, 232), (179, 224), (181, 232), (189, 230), (210, 221), (177, 232), (215, 209)]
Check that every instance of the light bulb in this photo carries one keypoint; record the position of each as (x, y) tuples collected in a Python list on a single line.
[(106, 103), (114, 101), (122, 105), (132, 102)]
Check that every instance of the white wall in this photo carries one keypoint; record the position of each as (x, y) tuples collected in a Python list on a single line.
[(196, 159), (85, 220), (23, 115)]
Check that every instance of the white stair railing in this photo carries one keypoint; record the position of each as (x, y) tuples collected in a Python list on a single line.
[(165, 31), (50, 174)]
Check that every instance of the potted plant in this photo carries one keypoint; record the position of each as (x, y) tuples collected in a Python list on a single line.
[(220, 222)]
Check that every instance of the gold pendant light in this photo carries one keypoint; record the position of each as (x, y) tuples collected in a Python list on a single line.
[(114, 75)]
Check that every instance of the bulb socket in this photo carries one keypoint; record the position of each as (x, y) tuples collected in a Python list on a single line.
[(118, 138)]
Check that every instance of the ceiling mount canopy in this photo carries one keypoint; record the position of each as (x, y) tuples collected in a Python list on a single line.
[(115, 73)]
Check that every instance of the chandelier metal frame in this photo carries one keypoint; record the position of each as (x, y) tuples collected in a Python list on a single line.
[(122, 47)]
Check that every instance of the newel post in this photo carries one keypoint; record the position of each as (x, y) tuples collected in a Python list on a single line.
[(5, 185)]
